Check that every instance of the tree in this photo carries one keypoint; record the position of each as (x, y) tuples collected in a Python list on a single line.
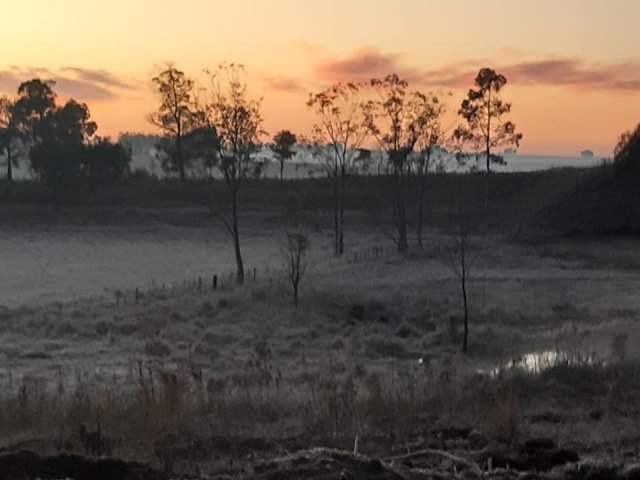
[(401, 119), (238, 123), (72, 167), (483, 111), (69, 124), (343, 125), (296, 256), (626, 155), (429, 140), (106, 162), (9, 134), (283, 141), (198, 144), (175, 114), (460, 262), (36, 99)]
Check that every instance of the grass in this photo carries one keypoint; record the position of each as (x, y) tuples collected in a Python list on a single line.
[(516, 197), (145, 413)]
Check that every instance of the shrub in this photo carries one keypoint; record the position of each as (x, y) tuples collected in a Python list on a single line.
[(72, 165)]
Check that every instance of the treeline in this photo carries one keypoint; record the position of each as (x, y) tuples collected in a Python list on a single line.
[(59, 141), (222, 126)]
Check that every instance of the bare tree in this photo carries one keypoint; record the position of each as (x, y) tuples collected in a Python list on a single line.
[(296, 255), (483, 111), (400, 120), (462, 255), (176, 111), (283, 142), (343, 125), (238, 123)]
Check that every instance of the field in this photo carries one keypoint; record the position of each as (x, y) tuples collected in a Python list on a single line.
[(188, 379)]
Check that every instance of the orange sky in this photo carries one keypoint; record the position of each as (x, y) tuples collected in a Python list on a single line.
[(573, 65)]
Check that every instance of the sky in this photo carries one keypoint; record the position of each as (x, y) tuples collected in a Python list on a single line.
[(573, 66)]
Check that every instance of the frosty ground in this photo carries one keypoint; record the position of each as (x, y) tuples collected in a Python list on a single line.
[(372, 351)]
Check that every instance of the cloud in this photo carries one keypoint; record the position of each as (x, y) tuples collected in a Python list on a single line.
[(102, 77), (285, 84), (566, 72), (368, 62), (363, 65), (80, 83)]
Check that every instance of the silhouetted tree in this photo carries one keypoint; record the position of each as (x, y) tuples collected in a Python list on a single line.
[(483, 111), (401, 119), (430, 139), (626, 158), (63, 131), (36, 99), (296, 255), (175, 114), (73, 167), (200, 143), (282, 145), (9, 135), (70, 123), (238, 123), (343, 125), (106, 162)]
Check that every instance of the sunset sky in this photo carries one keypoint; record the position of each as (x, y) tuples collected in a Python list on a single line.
[(573, 66)]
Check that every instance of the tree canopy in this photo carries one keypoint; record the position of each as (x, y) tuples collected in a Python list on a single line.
[(484, 112)]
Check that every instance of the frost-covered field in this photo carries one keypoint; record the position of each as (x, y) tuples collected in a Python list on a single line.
[(64, 262), (62, 312)]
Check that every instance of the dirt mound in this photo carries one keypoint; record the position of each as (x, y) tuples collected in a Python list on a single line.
[(324, 464), (24, 464)]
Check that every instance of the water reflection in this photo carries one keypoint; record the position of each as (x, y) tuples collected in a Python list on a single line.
[(537, 362)]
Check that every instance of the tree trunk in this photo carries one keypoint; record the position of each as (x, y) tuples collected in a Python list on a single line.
[(463, 280), (236, 239), (336, 226), (9, 165), (281, 169), (424, 169), (179, 156), (336, 211), (343, 176), (488, 132), (401, 212), (488, 153)]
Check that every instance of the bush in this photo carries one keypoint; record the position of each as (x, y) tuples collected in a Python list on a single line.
[(62, 165)]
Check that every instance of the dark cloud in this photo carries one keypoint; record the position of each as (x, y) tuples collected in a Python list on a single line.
[(80, 83), (369, 62), (285, 84)]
